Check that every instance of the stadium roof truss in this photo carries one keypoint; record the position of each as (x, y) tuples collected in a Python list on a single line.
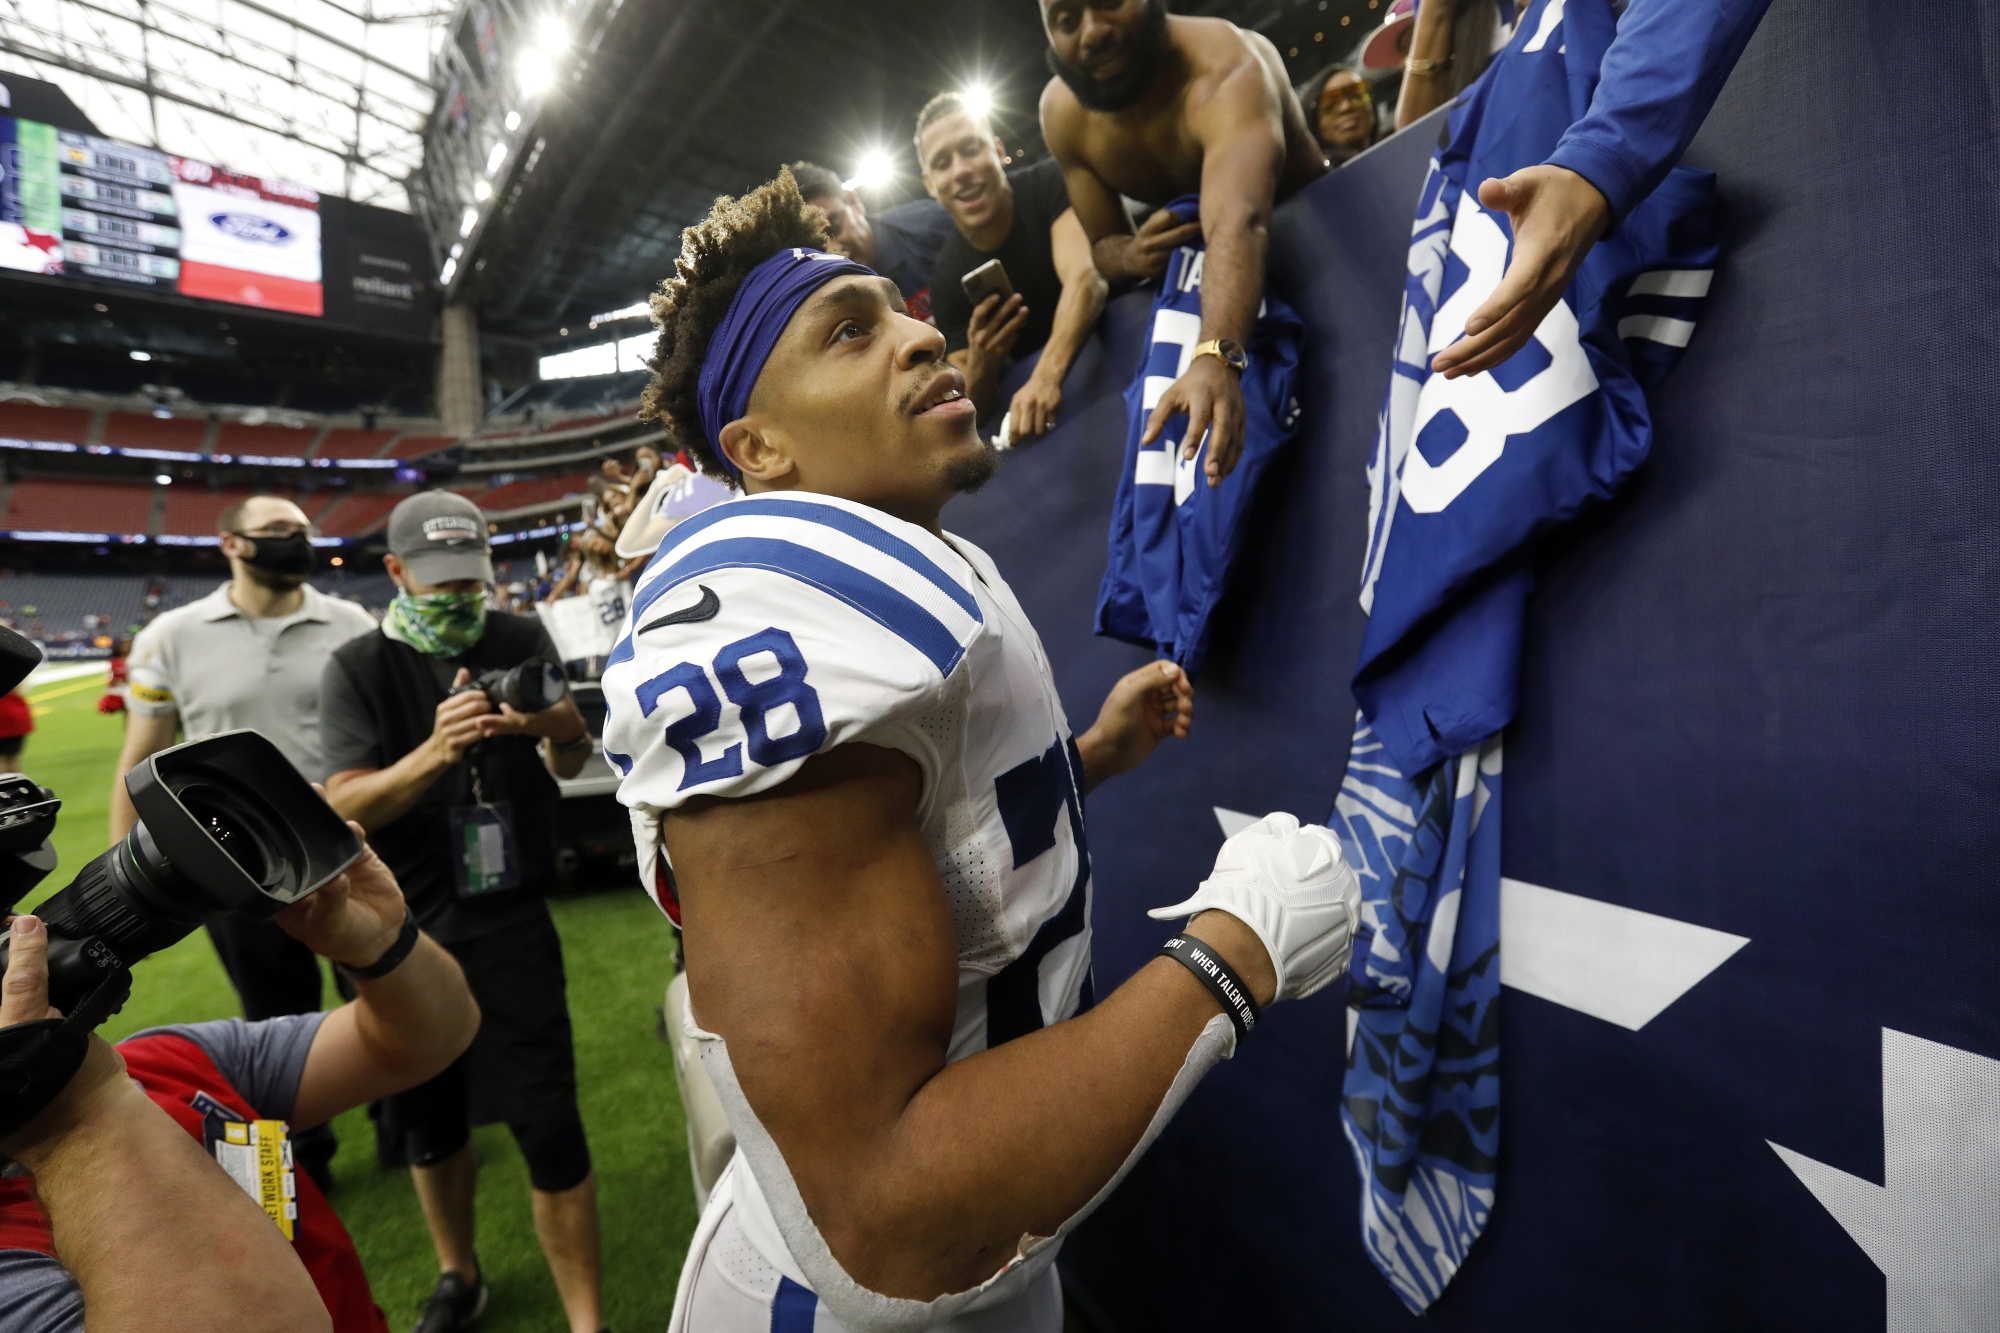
[(331, 94)]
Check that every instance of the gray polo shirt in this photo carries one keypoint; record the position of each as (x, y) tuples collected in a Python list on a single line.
[(221, 669)]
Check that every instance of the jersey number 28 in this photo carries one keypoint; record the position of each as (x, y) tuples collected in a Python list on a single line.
[(756, 699)]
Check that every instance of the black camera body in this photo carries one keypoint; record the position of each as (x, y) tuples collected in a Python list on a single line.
[(226, 825), (532, 686)]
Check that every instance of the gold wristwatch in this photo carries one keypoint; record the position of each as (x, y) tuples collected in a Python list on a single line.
[(1226, 350)]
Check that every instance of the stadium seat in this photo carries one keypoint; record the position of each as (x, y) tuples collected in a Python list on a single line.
[(31, 421), (131, 430), (354, 515), (348, 443), (530, 491), (410, 446), (192, 510), (43, 505), (267, 441)]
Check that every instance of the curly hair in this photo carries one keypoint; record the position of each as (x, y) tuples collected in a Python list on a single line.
[(717, 253)]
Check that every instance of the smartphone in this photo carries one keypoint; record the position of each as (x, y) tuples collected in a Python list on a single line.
[(989, 279)]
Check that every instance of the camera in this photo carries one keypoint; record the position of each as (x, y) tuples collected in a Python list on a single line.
[(226, 825), (528, 688)]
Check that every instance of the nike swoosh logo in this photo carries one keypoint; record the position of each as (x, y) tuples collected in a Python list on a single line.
[(705, 609)]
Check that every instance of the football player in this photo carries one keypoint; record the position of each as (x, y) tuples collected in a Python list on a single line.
[(853, 785)]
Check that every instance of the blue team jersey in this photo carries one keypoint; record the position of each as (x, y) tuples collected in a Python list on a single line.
[(1173, 539), (1468, 472), (1466, 475)]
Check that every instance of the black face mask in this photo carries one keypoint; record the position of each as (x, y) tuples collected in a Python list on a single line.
[(289, 557), (1149, 55)]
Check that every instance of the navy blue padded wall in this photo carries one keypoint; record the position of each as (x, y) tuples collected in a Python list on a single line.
[(1761, 694)]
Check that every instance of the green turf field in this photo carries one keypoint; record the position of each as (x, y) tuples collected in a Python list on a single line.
[(618, 950)]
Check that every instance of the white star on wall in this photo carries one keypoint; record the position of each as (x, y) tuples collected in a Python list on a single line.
[(1933, 1225)]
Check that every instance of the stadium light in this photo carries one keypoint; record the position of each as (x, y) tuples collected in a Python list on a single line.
[(978, 100), (552, 33), (534, 72), (468, 222), (140, 356), (638, 310), (875, 170), (499, 153)]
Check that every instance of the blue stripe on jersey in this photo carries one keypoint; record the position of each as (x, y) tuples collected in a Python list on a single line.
[(839, 520), (862, 591), (793, 1308), (827, 515)]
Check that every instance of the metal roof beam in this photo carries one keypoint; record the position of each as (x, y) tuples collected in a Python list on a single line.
[(146, 24), (344, 153)]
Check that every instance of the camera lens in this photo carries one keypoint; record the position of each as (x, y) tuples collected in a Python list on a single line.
[(262, 851), (542, 684)]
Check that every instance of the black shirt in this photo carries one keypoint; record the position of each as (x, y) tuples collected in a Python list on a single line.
[(1040, 196), (907, 238), (378, 702)]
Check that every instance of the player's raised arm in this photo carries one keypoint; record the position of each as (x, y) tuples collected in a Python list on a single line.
[(1240, 127)]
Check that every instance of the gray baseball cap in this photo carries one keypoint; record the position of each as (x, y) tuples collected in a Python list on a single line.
[(440, 538)]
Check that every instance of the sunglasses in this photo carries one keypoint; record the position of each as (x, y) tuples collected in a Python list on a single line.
[(1353, 94)]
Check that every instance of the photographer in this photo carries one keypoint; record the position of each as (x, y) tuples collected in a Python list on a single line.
[(458, 792), (121, 1201)]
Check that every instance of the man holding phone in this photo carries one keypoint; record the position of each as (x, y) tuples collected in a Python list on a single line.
[(1015, 276)]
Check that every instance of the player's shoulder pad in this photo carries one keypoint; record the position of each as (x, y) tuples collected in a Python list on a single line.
[(769, 628)]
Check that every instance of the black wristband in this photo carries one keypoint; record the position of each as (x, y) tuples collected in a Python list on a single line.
[(392, 957), (1222, 982)]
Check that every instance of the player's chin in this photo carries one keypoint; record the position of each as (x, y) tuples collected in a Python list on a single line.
[(965, 461)]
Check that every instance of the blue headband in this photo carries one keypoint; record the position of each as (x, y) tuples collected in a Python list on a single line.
[(742, 343)]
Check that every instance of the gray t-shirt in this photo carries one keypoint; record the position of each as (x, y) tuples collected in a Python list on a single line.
[(262, 1061), (220, 670)]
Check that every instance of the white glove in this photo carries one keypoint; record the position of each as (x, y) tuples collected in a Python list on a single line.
[(1292, 886)]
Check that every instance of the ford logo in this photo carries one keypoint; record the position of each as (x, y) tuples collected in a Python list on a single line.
[(249, 227)]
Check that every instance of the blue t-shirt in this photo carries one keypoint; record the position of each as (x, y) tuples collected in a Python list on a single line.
[(1659, 77)]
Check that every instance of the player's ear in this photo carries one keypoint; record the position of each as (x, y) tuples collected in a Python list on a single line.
[(756, 454)]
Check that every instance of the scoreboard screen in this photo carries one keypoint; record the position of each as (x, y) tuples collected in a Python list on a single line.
[(75, 205)]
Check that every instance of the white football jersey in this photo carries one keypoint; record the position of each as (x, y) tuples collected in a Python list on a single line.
[(774, 627)]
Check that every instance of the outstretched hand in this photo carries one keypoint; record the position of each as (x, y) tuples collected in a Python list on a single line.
[(1144, 708), (1211, 395), (355, 918), (1557, 216)]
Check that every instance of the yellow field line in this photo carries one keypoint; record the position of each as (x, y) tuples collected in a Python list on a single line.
[(58, 691)]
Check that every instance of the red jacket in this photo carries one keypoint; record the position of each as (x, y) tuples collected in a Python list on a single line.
[(16, 718), (174, 1071)]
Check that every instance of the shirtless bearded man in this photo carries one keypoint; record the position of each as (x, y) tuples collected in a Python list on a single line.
[(1154, 106)]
